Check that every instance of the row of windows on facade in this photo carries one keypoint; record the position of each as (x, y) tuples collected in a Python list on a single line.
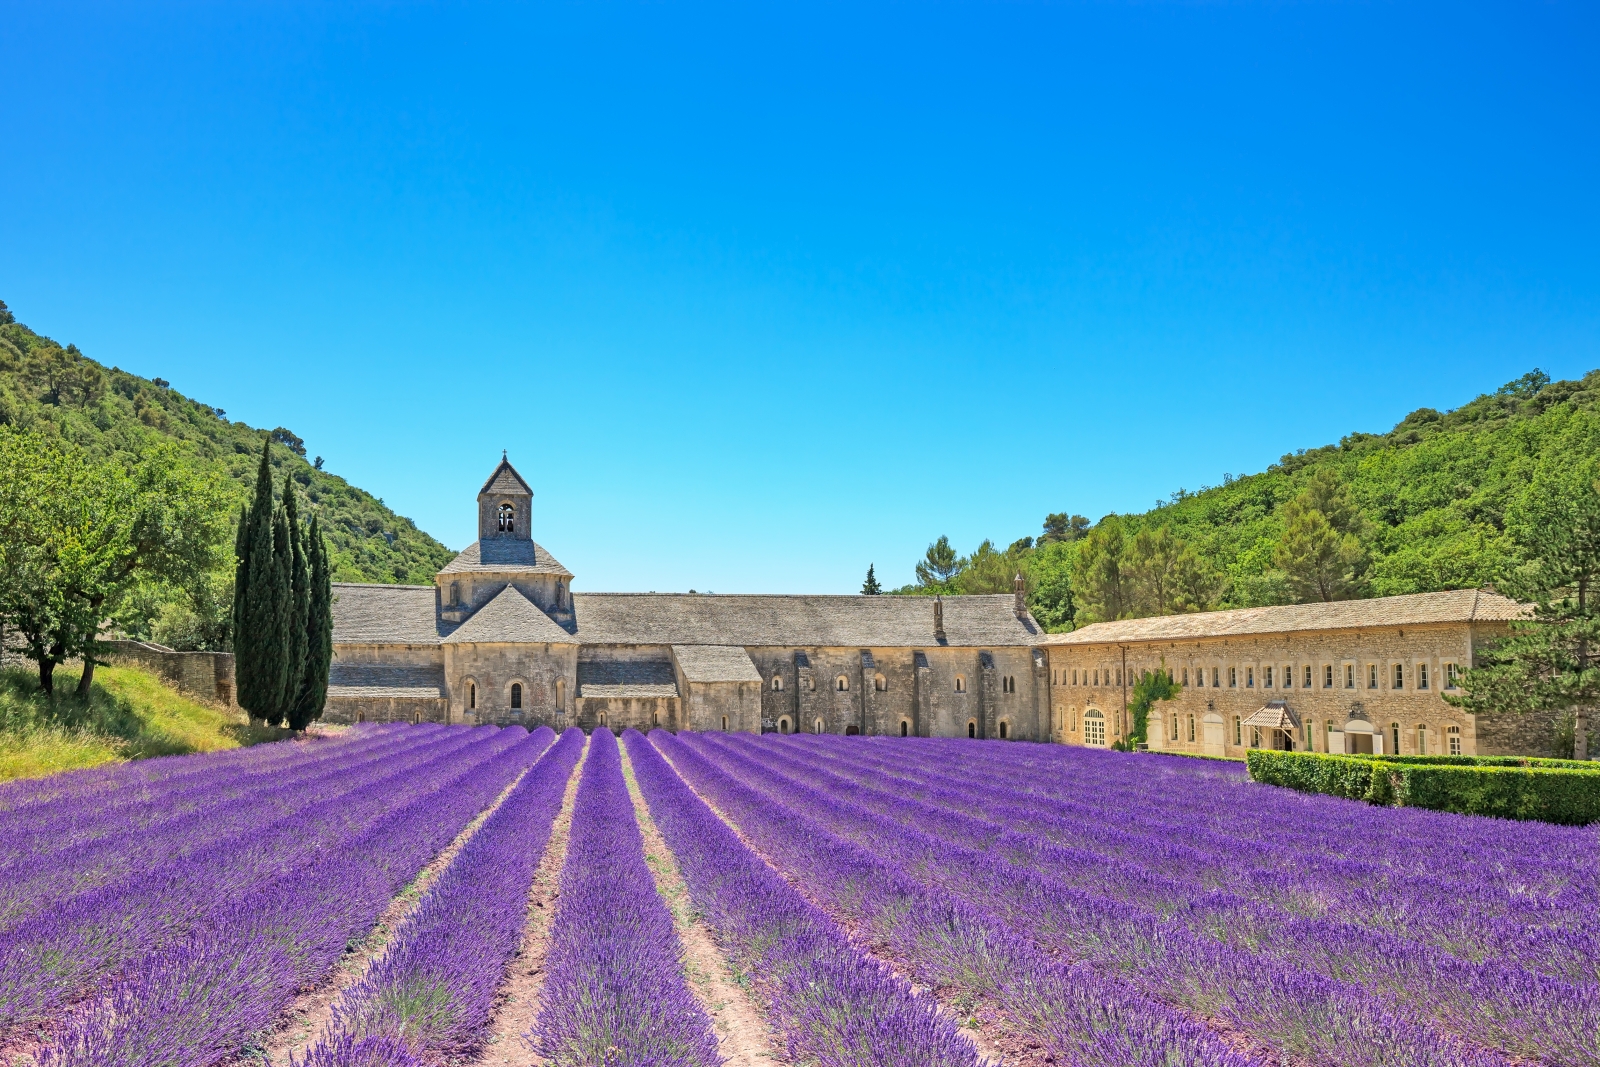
[(1008, 683), (1094, 730), (1270, 676), (817, 726), (516, 695)]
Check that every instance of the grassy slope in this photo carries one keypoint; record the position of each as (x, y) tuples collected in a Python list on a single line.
[(369, 542), (1436, 489), (129, 715)]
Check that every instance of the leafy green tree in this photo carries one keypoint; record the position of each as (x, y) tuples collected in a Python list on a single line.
[(938, 566), (1321, 552), (1549, 662), (987, 570), (83, 535), (870, 587), (1103, 590), (313, 691), (1049, 573)]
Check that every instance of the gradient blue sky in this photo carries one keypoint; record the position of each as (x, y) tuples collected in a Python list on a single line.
[(756, 294)]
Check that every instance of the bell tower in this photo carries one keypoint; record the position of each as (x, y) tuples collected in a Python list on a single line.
[(505, 506)]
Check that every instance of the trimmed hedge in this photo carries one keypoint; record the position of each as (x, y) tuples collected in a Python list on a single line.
[(1555, 791)]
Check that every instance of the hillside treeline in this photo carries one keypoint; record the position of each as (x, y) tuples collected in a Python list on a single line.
[(59, 396), (1421, 508)]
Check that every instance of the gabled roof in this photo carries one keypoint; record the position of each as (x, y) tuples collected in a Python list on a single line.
[(505, 479), (505, 555), (798, 621), (366, 614), (1274, 715), (510, 618), (1414, 609), (715, 663)]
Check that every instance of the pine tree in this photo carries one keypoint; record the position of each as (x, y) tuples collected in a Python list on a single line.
[(299, 602), (1322, 552), (1550, 662), (319, 634), (870, 587), (261, 606)]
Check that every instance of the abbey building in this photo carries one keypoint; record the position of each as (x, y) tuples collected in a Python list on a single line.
[(501, 636)]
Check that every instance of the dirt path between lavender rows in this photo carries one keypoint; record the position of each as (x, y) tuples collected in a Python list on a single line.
[(517, 1001), (306, 1020), (996, 1040), (743, 1037)]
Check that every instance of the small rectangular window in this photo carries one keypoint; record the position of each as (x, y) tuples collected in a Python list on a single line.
[(1191, 729), (1233, 677), (1266, 680), (1308, 677), (1349, 676), (1238, 737), (1453, 737), (1394, 733), (1186, 676), (1451, 675), (1327, 676), (1215, 677), (1399, 676), (1249, 677), (1372, 676), (1119, 675), (1422, 740), (1422, 676)]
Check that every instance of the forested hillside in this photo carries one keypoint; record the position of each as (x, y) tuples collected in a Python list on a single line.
[(1420, 508), (59, 392)]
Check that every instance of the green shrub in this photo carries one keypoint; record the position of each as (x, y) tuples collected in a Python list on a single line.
[(1556, 791)]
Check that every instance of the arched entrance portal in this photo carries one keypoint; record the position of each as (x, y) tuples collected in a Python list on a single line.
[(851, 731)]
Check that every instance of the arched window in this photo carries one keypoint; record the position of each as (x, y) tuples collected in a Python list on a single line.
[(516, 695), (852, 730), (841, 683), (1452, 736), (724, 723), (655, 718), (472, 694), (1094, 728), (961, 683), (507, 519), (1005, 729), (880, 683), (816, 727), (777, 683), (905, 728), (783, 725), (602, 718), (972, 729), (455, 592), (1394, 730), (561, 694)]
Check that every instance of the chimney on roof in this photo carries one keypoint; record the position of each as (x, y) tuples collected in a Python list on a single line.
[(938, 619), (1019, 596)]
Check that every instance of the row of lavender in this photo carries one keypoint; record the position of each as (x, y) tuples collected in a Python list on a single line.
[(832, 1005), (974, 958), (1415, 935), (430, 997), (614, 992), (1312, 987), (195, 1001)]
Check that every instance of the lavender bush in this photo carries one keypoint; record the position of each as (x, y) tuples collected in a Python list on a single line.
[(196, 1002), (833, 1005), (614, 991), (430, 996)]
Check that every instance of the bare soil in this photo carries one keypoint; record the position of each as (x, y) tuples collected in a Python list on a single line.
[(743, 1036), (517, 1001)]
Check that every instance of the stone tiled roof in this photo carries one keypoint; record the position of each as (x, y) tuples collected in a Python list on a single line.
[(807, 621), (505, 479), (358, 680), (505, 555), (715, 663), (507, 619), (384, 614), (626, 678), (1416, 609)]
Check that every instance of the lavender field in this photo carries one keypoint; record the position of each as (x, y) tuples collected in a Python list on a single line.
[(449, 895)]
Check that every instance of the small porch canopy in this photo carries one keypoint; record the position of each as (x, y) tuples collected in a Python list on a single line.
[(1277, 725)]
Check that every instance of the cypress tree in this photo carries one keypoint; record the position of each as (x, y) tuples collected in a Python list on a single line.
[(260, 611), (319, 634), (279, 617), (299, 603)]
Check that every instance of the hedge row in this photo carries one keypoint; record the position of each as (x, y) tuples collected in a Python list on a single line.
[(1567, 793)]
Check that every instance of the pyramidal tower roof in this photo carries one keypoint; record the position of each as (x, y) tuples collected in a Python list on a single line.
[(505, 479)]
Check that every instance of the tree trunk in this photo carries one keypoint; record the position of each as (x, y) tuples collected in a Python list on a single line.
[(87, 680), (1580, 734), (47, 675)]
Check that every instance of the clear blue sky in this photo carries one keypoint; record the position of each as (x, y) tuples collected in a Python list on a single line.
[(757, 294)]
